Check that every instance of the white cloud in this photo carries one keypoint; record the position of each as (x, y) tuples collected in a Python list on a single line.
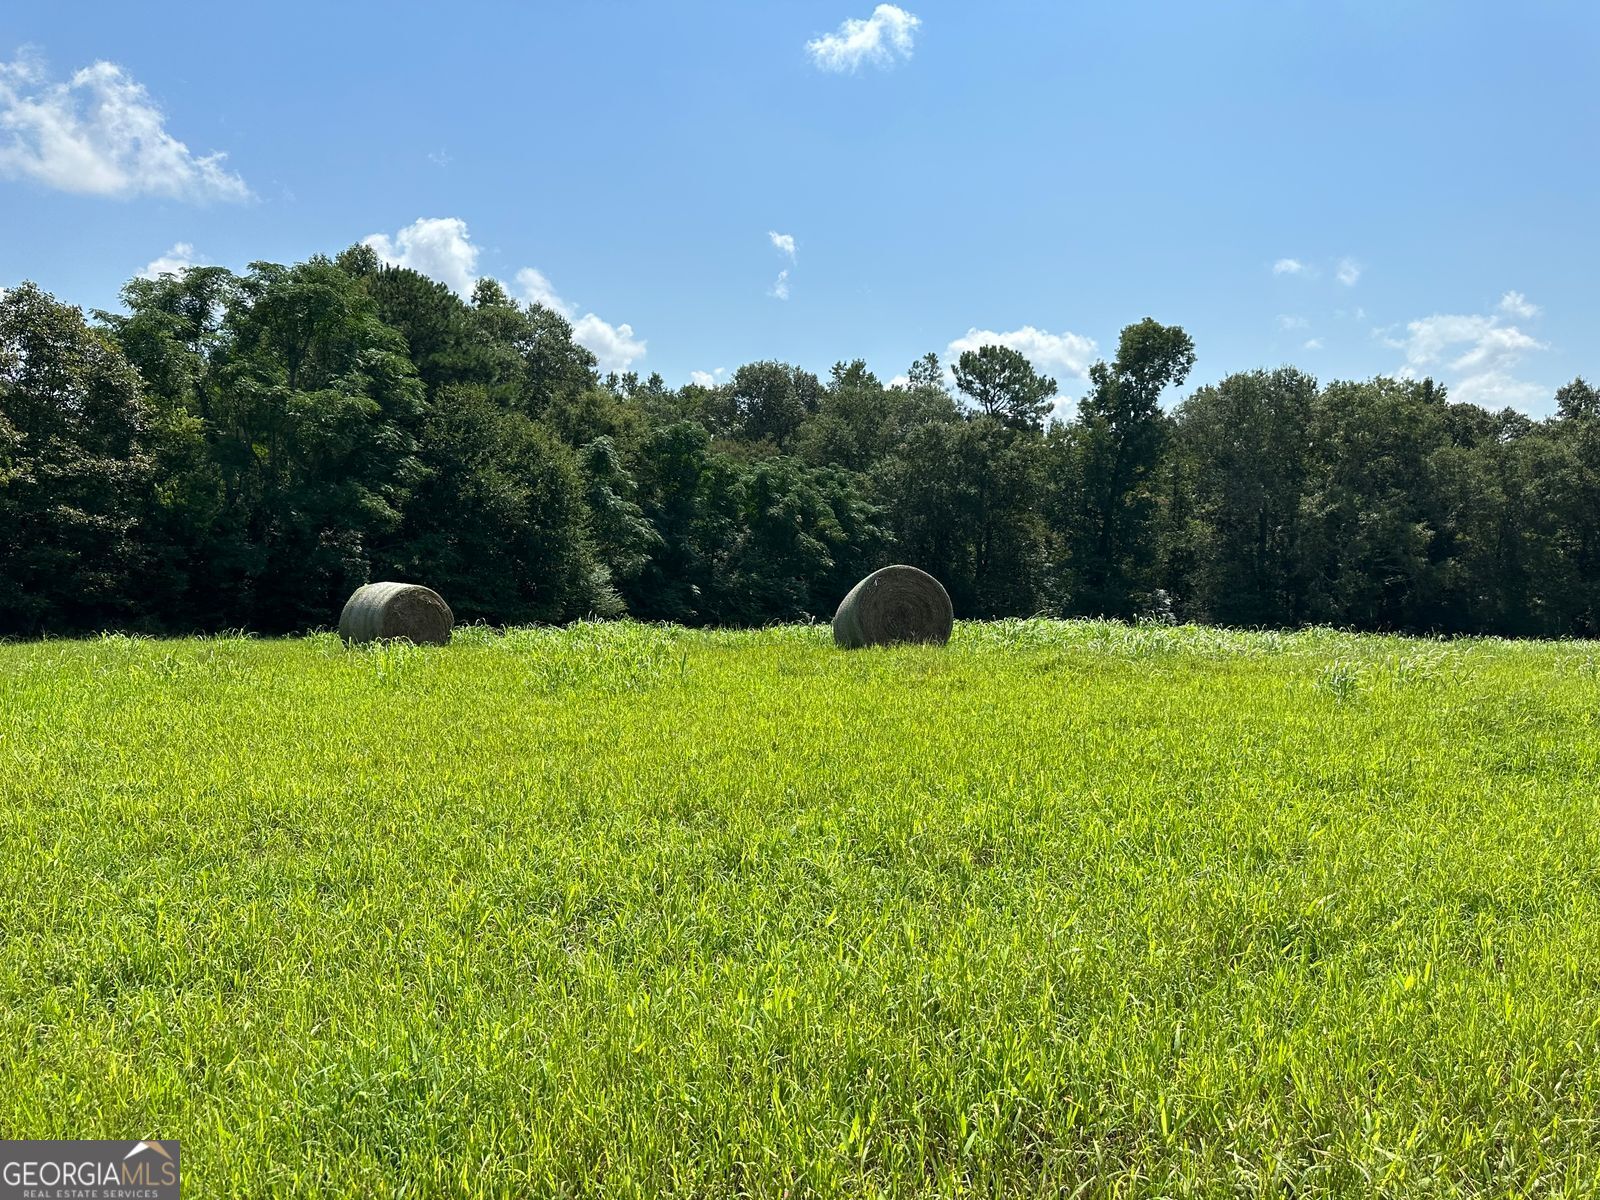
[(878, 41), (1289, 266), (1515, 304), (614, 346), (99, 134), (536, 288), (899, 381), (1348, 271), (1051, 353), (782, 242), (1475, 354), (439, 247), (780, 287), (1498, 389), (1288, 322), (174, 262), (1312, 344), (1434, 340), (707, 379)]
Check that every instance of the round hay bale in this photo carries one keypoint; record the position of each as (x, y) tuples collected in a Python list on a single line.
[(893, 605), (396, 610)]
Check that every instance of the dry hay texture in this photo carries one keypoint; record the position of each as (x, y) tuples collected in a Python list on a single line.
[(893, 605), (380, 611)]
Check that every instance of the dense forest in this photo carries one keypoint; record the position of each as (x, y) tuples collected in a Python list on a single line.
[(242, 451)]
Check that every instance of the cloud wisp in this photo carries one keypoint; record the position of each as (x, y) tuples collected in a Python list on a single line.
[(1475, 354), (535, 288), (1515, 304), (881, 40), (615, 347), (174, 262), (100, 134), (1347, 270)]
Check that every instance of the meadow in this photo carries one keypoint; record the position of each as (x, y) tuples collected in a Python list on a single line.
[(1061, 908)]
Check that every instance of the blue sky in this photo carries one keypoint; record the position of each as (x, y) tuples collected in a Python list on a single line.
[(1355, 188)]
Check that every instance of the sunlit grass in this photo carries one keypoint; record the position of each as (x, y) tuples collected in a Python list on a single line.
[(634, 910)]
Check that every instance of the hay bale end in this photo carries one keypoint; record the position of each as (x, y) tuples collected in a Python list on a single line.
[(894, 605), (382, 611)]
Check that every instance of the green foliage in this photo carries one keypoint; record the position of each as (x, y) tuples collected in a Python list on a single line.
[(630, 910), (315, 427), (1117, 448), (73, 468), (771, 400), (1246, 452), (1572, 491), (1368, 528), (498, 524), (623, 538), (1004, 385), (961, 500), (438, 328), (806, 536), (292, 432)]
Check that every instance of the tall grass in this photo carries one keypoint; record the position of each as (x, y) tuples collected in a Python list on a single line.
[(630, 910)]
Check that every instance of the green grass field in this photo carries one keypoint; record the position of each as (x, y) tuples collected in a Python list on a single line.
[(627, 910)]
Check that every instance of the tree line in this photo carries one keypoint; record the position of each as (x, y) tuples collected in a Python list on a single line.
[(243, 450)]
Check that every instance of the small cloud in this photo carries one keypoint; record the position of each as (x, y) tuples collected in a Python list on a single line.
[(1051, 352), (1499, 389), (1348, 271), (439, 247), (99, 133), (782, 242), (877, 41), (1515, 304), (707, 379), (1475, 353), (899, 381), (614, 346), (536, 288), (1062, 353), (1312, 344), (780, 287), (440, 158), (1289, 266), (174, 262), (1288, 322), (1435, 339)]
